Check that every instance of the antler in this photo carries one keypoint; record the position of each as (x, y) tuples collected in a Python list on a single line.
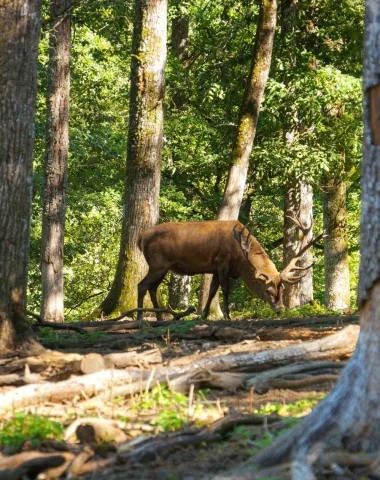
[(245, 245), (305, 245)]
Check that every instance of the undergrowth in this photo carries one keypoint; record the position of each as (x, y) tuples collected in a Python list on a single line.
[(27, 427)]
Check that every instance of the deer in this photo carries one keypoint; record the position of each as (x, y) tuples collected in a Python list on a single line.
[(223, 248)]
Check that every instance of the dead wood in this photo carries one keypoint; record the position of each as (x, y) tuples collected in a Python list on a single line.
[(176, 315), (55, 325), (94, 362), (79, 461), (339, 345), (304, 382), (133, 359), (164, 444), (230, 422), (91, 363), (30, 464), (89, 433), (97, 423), (15, 379)]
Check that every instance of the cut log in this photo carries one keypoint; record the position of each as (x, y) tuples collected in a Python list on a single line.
[(133, 359), (339, 345)]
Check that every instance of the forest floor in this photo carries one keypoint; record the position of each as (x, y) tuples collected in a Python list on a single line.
[(181, 399)]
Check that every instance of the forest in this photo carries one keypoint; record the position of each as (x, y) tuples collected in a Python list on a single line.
[(240, 341)]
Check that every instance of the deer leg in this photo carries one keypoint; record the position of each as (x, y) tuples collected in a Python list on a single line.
[(225, 284), (213, 289), (149, 283)]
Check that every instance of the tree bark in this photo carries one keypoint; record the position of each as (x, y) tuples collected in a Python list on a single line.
[(299, 198), (19, 36), (350, 412), (180, 285), (144, 150), (298, 193), (248, 115), (55, 164), (179, 291), (337, 275)]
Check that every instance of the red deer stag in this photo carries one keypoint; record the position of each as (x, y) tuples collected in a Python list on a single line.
[(225, 249)]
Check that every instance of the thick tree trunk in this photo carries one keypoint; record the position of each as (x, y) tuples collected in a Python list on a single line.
[(337, 275), (19, 36), (299, 198), (142, 182), (180, 285), (249, 113), (55, 166), (298, 194), (350, 412)]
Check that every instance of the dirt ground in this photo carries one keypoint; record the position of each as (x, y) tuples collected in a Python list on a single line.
[(188, 344)]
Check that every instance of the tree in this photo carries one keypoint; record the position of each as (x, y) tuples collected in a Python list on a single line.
[(349, 412), (247, 120), (144, 148), (337, 279), (19, 36), (55, 164), (298, 192), (299, 199), (180, 285)]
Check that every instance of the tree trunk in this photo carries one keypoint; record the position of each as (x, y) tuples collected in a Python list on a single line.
[(180, 285), (350, 412), (55, 165), (19, 36), (179, 291), (298, 194), (337, 275), (299, 198), (249, 114), (142, 182)]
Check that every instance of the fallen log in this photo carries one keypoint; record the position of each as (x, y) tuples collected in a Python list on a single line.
[(336, 346), (339, 345), (30, 464)]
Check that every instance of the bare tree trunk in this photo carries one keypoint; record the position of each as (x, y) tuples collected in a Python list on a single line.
[(299, 198), (337, 275), (350, 412), (179, 291), (142, 182), (249, 114), (298, 194), (180, 285), (55, 166), (19, 36)]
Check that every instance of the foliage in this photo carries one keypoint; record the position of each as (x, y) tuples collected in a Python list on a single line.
[(47, 334), (314, 91), (172, 411), (296, 409), (27, 427)]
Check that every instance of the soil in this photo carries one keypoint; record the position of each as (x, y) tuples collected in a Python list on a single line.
[(178, 347)]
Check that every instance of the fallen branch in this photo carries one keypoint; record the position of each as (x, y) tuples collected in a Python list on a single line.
[(55, 325), (176, 315), (30, 464), (110, 382)]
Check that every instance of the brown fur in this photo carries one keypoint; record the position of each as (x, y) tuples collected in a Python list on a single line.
[(191, 248)]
